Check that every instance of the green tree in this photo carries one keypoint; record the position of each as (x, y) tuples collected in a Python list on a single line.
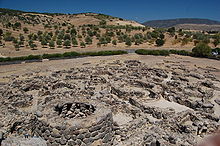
[(114, 42), (73, 32), (88, 40), (43, 42), (17, 25), (202, 50), (30, 42), (33, 46), (128, 42), (82, 44), (102, 22), (67, 43), (160, 42), (51, 44), (59, 43), (74, 42), (25, 29), (161, 36), (171, 31), (67, 37)]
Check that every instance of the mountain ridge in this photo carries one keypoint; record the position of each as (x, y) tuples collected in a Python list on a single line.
[(173, 22)]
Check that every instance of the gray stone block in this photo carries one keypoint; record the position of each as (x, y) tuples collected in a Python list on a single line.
[(24, 142)]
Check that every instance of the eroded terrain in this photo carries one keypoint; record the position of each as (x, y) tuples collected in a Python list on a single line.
[(169, 100)]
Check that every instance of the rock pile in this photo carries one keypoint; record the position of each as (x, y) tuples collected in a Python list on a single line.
[(74, 110)]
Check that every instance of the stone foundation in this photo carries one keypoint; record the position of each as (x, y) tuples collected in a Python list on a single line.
[(95, 128)]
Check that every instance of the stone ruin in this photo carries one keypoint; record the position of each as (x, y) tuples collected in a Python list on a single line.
[(70, 123), (77, 106), (74, 110)]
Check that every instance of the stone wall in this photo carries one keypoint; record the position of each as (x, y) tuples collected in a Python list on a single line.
[(100, 132), (94, 129)]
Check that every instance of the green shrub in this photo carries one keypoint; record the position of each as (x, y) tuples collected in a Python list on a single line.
[(160, 42), (59, 42), (128, 41), (82, 44), (88, 40), (153, 52), (104, 53), (202, 50), (67, 54), (114, 42), (180, 52), (48, 56), (103, 22), (70, 54), (25, 29), (51, 44), (32, 57), (67, 43)]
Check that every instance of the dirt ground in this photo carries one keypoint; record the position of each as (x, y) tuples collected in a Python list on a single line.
[(52, 65)]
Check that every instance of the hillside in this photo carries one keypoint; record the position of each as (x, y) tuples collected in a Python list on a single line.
[(25, 33), (180, 21)]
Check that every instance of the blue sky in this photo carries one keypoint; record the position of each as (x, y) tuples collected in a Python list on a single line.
[(138, 10)]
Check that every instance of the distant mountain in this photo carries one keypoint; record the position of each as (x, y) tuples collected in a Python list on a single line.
[(174, 22)]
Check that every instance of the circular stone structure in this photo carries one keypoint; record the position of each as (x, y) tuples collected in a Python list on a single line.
[(74, 123)]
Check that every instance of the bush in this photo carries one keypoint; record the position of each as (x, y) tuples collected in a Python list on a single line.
[(67, 43), (51, 44), (104, 53), (67, 54), (67, 37), (103, 22), (25, 29), (202, 50), (74, 42), (43, 42), (82, 44), (48, 56), (153, 52), (128, 42), (88, 40), (71, 54), (160, 42), (114, 42), (180, 52), (59, 42)]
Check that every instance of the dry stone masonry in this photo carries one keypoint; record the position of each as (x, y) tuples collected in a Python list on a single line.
[(112, 103)]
